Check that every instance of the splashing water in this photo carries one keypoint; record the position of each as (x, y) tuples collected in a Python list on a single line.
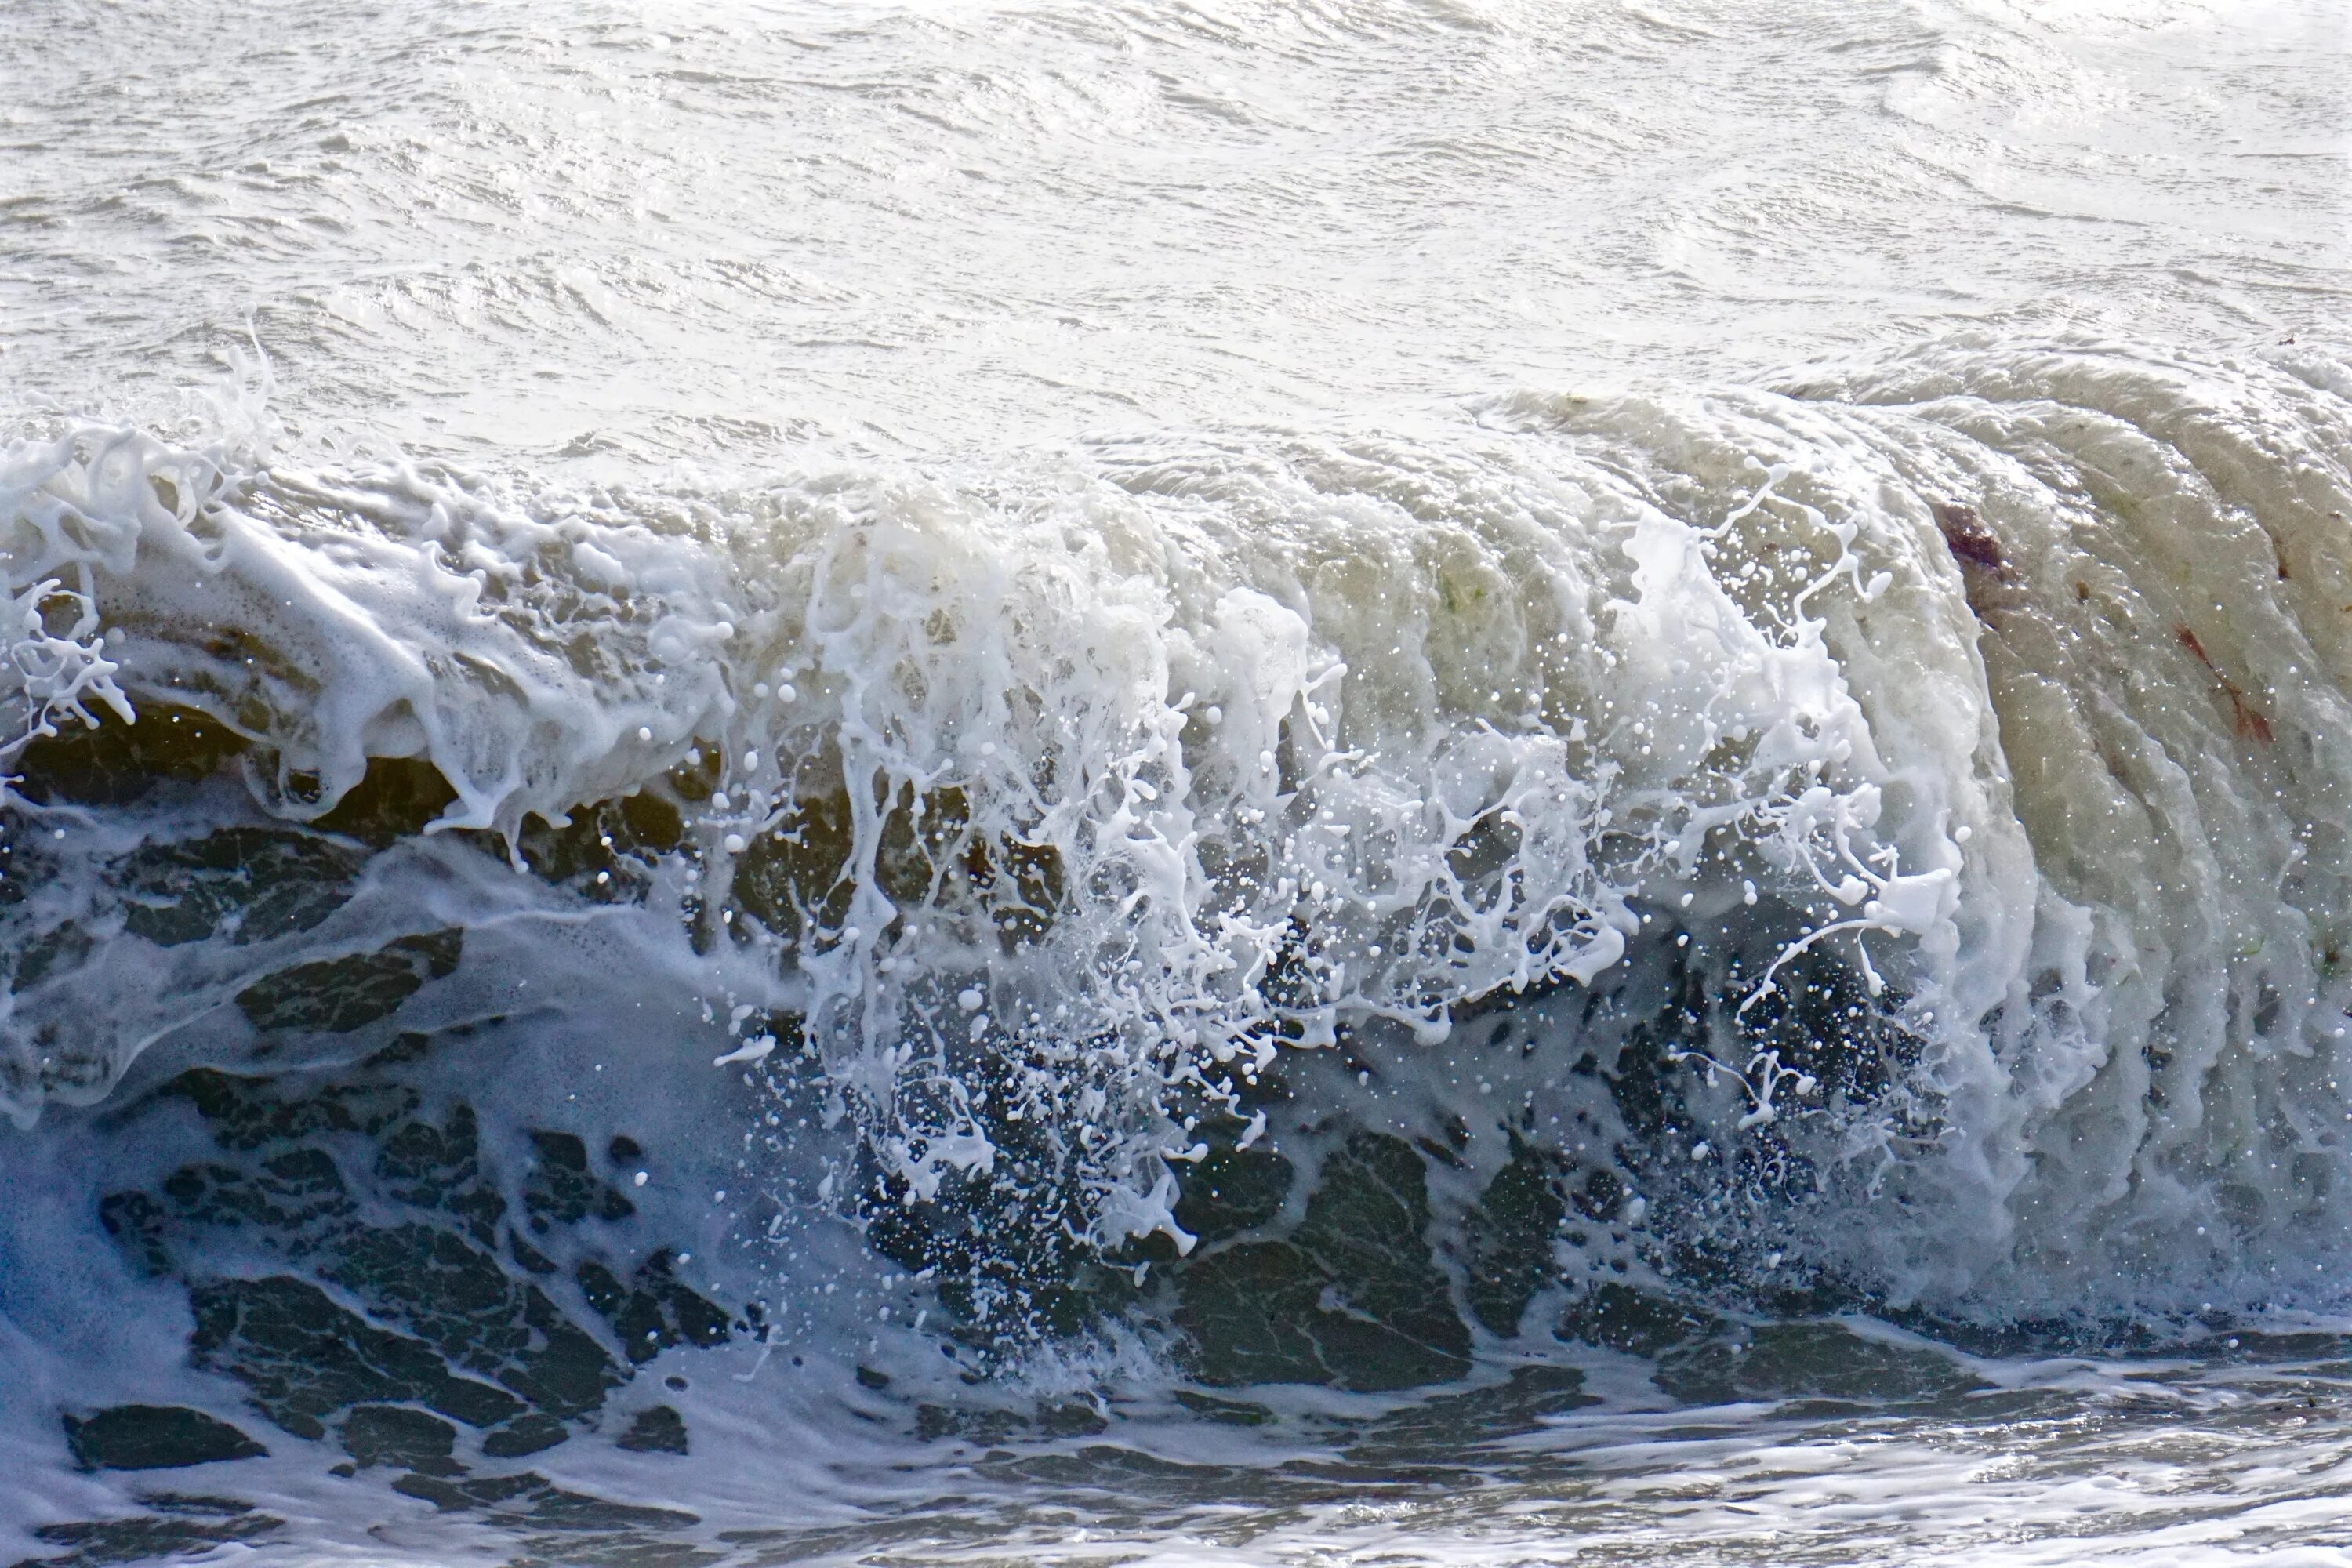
[(1440, 889)]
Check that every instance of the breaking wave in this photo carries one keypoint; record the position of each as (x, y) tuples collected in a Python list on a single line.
[(1884, 831)]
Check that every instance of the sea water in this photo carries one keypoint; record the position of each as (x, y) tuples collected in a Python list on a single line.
[(1175, 782)]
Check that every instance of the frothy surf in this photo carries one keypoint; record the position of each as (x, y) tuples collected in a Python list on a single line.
[(1352, 960), (1997, 697)]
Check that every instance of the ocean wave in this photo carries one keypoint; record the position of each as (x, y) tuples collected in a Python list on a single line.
[(1923, 777)]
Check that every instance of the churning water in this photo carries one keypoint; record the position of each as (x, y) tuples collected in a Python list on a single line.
[(1175, 782)]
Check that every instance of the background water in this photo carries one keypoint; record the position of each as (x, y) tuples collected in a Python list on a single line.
[(1175, 782)]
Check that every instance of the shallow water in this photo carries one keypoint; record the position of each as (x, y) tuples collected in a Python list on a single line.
[(1355, 782)]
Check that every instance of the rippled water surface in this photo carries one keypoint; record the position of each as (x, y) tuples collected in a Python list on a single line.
[(751, 231)]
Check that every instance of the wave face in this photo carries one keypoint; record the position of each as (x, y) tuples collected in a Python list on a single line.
[(1999, 699), (697, 763)]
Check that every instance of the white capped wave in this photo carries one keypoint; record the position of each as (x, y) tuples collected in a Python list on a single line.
[(2009, 681)]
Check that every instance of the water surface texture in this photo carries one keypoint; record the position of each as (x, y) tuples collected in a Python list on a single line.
[(1175, 784)]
